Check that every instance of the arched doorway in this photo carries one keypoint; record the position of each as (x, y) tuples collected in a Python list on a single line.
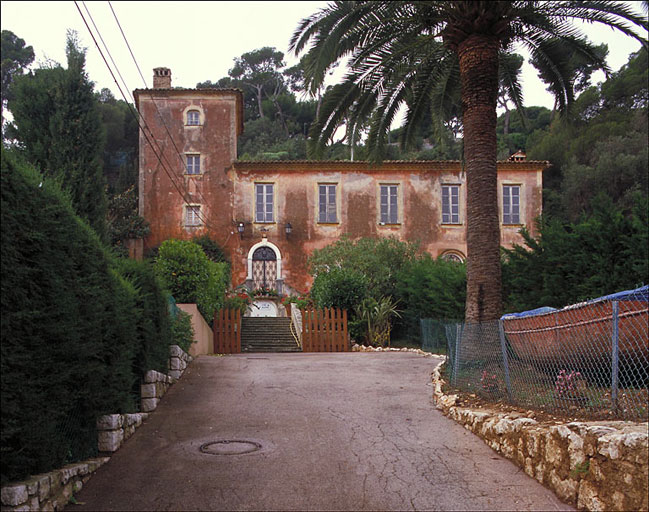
[(265, 273), (264, 268)]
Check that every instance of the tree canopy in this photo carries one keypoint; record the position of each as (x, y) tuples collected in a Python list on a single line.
[(59, 130), (412, 54), (15, 58)]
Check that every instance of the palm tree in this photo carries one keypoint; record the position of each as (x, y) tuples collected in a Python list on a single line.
[(413, 54)]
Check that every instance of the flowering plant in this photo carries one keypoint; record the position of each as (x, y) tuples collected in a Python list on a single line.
[(300, 301), (488, 382), (239, 298), (567, 383), (264, 292)]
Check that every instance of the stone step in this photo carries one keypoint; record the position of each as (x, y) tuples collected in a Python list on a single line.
[(267, 334)]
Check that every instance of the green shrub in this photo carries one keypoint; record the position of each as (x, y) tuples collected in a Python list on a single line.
[(153, 320), (191, 277), (211, 249), (378, 260), (68, 332), (339, 288), (182, 330), (375, 318), (430, 288), (606, 251)]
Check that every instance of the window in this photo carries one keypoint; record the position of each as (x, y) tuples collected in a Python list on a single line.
[(450, 204), (193, 117), (264, 202), (511, 204), (193, 164), (389, 206), (192, 215), (453, 256), (327, 203)]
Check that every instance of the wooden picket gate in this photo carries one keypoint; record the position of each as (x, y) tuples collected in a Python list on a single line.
[(325, 330), (227, 331)]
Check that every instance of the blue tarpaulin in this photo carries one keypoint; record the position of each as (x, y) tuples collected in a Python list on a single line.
[(640, 294)]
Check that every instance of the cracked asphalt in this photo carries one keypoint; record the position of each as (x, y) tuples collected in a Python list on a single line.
[(349, 431)]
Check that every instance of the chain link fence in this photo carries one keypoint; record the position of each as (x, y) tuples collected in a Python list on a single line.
[(589, 360)]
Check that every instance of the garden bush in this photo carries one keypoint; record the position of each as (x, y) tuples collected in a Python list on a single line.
[(182, 330), (378, 260), (339, 288), (191, 277), (211, 249), (154, 324), (68, 332), (603, 252), (429, 288)]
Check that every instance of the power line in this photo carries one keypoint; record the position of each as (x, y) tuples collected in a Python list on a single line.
[(139, 117), (180, 156)]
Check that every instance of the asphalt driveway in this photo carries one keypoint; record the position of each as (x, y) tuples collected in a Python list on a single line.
[(350, 431)]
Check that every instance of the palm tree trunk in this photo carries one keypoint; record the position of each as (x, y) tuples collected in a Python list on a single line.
[(478, 56)]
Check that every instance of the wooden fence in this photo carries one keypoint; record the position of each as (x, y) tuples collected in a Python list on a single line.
[(227, 331), (325, 330)]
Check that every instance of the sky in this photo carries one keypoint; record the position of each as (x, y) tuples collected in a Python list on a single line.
[(199, 40)]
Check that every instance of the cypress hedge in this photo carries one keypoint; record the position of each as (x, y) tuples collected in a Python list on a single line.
[(77, 333)]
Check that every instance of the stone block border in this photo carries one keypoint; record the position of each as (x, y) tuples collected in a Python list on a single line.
[(593, 465), (53, 490), (365, 348), (50, 491)]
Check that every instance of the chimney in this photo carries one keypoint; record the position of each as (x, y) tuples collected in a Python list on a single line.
[(161, 78)]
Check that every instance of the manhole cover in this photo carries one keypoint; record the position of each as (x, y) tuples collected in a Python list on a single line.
[(230, 447)]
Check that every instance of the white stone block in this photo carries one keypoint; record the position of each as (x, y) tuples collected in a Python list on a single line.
[(149, 404), (128, 431), (110, 440), (175, 351), (34, 504), (174, 363), (151, 376), (110, 422), (43, 487), (148, 390), (588, 498), (175, 374), (14, 495), (32, 486)]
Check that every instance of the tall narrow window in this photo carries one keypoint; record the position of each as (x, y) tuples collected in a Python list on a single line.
[(193, 164), (327, 203), (450, 204), (511, 204), (192, 215), (264, 202), (193, 117), (389, 205)]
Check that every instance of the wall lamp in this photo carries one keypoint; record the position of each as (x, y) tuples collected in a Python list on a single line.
[(240, 228), (288, 228)]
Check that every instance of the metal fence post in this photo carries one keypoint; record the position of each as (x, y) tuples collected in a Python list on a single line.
[(503, 348), (456, 363), (615, 354)]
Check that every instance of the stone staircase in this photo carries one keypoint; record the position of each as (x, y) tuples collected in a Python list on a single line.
[(267, 334)]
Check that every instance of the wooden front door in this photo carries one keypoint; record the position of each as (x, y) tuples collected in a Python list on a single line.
[(264, 268)]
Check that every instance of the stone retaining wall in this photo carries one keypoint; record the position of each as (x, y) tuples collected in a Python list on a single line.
[(49, 491), (593, 465), (53, 490)]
